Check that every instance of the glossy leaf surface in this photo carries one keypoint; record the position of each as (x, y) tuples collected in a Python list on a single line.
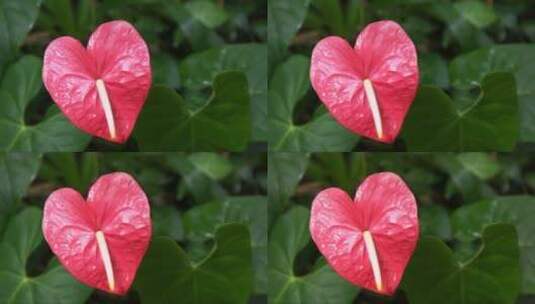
[(490, 123), (54, 285), (223, 122), (199, 70), (469, 70), (435, 276), (167, 273), (468, 222)]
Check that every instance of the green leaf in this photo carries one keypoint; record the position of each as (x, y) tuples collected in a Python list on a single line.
[(63, 14), (461, 29), (207, 12), (21, 83), (433, 70), (167, 222), (468, 221), (214, 165), (71, 171), (199, 70), (16, 20), (332, 13), (188, 28), (480, 164), (476, 12), (165, 70), (342, 170), (285, 170), (55, 285), (289, 84), (167, 122), (224, 276), (340, 18), (462, 179), (86, 17), (434, 221), (201, 222), (322, 285), (284, 19), (17, 170), (470, 69), (67, 18), (202, 187), (435, 123), (492, 276)]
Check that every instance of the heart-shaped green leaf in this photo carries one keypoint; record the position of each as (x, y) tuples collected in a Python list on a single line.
[(55, 285), (470, 69), (224, 276), (21, 83), (17, 170), (289, 84), (168, 123), (435, 123), (492, 276), (288, 237), (16, 20), (200, 223), (468, 221), (199, 70)]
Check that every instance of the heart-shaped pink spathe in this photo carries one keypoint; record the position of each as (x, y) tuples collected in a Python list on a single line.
[(116, 207), (381, 221), (381, 71), (118, 56)]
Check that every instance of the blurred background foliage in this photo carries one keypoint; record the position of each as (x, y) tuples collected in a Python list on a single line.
[(460, 197), (191, 42), (458, 43), (192, 196)]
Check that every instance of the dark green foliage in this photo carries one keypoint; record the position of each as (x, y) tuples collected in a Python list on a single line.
[(460, 44), (476, 226), (213, 53), (198, 240)]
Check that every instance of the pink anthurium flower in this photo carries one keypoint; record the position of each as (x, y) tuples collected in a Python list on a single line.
[(368, 240), (100, 89), (102, 240), (369, 88)]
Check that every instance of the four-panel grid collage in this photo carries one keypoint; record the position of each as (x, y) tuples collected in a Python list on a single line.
[(267, 152)]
